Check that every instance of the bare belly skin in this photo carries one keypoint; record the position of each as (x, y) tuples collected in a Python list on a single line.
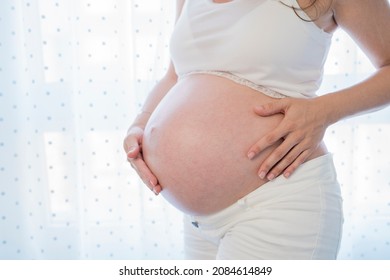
[(197, 139)]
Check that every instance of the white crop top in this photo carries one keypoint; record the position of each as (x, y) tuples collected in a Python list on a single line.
[(261, 43)]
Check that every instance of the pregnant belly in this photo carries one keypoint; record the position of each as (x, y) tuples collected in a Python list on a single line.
[(197, 139)]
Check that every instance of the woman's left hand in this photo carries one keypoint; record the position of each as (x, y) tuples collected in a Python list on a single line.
[(301, 130)]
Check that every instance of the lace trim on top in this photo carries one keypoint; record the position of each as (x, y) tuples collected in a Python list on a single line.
[(267, 91)]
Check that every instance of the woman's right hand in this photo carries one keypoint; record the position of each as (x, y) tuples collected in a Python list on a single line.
[(132, 145)]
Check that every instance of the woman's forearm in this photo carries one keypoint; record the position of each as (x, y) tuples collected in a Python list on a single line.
[(155, 96), (370, 95)]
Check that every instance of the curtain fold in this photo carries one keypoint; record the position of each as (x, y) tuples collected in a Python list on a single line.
[(72, 76)]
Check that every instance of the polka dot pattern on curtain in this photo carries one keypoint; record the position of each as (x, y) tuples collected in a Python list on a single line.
[(73, 74)]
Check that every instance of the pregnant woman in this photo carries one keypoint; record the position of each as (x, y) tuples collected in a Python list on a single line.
[(237, 108)]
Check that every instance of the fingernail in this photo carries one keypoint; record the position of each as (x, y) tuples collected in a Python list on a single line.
[(259, 108), (155, 191), (271, 177), (251, 155), (287, 174), (152, 183), (132, 149), (262, 175)]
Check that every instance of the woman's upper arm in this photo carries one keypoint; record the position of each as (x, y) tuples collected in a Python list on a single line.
[(179, 7), (368, 23)]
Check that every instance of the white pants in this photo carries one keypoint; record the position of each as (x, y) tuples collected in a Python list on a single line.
[(296, 218)]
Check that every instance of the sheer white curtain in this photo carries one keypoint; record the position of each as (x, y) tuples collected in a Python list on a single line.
[(361, 153), (72, 75)]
